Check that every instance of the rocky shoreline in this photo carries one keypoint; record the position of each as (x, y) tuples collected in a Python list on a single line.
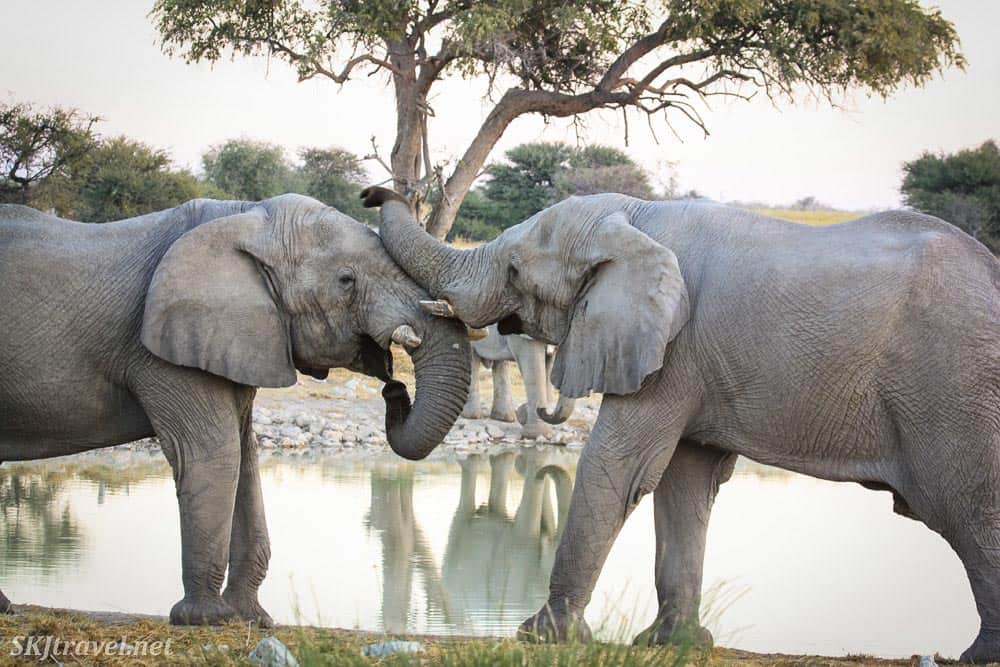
[(353, 425)]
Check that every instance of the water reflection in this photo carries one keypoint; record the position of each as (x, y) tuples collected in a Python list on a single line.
[(37, 524), (466, 547), (496, 563)]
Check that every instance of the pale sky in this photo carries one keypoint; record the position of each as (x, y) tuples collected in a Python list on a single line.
[(102, 56)]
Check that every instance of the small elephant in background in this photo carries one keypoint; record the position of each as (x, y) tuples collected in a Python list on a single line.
[(497, 351)]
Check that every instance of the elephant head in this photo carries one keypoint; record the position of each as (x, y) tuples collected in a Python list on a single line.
[(576, 274), (289, 283)]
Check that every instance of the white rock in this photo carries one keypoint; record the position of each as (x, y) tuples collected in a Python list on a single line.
[(270, 652), (494, 431)]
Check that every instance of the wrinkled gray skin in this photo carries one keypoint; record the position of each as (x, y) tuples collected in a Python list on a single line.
[(166, 324), (867, 351), (534, 363)]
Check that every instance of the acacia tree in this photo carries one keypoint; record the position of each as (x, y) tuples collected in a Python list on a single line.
[(562, 59)]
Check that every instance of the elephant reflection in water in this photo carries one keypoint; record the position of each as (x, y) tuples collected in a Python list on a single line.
[(496, 565), (404, 547)]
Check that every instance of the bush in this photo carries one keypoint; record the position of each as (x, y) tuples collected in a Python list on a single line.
[(962, 188)]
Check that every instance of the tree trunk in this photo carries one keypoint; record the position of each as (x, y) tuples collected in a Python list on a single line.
[(471, 164), (406, 152), (514, 103)]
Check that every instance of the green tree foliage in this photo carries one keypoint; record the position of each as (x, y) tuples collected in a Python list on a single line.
[(335, 177), (538, 175), (255, 170), (37, 144), (248, 169), (962, 188), (527, 184), (122, 178), (562, 59)]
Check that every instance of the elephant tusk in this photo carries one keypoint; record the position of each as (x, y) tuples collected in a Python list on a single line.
[(407, 337), (440, 308), (476, 334)]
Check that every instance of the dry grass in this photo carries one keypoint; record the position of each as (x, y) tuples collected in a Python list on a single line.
[(816, 218), (230, 645)]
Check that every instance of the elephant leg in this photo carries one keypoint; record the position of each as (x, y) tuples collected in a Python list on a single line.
[(249, 546), (977, 544), (550, 390), (530, 356), (964, 507), (473, 407), (503, 401), (197, 418), (682, 506), (624, 460)]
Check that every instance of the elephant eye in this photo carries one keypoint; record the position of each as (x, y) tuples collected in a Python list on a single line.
[(346, 279)]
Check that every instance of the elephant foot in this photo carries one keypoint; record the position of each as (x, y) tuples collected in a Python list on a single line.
[(248, 608), (471, 411), (532, 429), (551, 625), (666, 632), (985, 649), (502, 413), (202, 611)]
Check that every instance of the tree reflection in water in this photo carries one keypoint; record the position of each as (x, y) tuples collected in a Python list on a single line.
[(38, 528)]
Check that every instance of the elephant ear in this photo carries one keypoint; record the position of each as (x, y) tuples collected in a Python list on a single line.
[(209, 305), (633, 305)]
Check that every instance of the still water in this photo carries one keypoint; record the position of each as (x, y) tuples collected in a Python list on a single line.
[(794, 565)]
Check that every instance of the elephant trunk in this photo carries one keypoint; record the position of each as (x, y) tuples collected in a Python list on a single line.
[(436, 266), (442, 368), (562, 412)]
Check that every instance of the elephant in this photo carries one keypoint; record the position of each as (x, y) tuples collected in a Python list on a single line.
[(866, 351), (167, 323), (534, 364)]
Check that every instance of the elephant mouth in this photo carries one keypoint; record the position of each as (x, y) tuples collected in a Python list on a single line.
[(511, 324), (376, 361)]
